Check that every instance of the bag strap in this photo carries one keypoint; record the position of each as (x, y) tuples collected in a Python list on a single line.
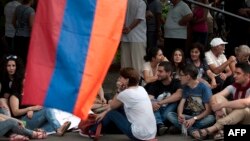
[(98, 132)]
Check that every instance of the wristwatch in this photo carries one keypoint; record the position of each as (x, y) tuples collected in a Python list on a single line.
[(195, 118)]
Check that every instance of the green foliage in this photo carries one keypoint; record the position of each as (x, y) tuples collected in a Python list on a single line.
[(165, 9)]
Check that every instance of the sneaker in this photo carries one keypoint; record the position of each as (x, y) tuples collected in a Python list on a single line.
[(174, 130), (161, 129)]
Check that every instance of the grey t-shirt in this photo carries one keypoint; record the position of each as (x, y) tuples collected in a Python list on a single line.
[(136, 9), (9, 11), (23, 14)]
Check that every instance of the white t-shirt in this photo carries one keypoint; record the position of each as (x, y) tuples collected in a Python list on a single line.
[(147, 67), (136, 9), (212, 59), (175, 14), (138, 109)]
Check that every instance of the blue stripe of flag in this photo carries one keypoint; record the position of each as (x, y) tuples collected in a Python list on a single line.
[(71, 54)]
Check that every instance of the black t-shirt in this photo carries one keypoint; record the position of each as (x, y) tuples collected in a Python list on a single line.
[(158, 88), (6, 87)]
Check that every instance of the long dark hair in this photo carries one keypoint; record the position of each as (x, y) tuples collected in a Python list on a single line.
[(182, 63), (151, 53), (18, 76)]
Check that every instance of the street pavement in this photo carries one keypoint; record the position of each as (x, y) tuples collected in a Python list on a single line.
[(112, 137)]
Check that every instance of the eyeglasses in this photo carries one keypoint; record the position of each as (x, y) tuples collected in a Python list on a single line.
[(182, 74), (11, 57)]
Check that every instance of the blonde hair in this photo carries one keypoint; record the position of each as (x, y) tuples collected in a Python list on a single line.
[(242, 49)]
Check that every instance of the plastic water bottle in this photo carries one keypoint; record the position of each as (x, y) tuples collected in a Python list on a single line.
[(163, 96), (184, 129), (200, 73)]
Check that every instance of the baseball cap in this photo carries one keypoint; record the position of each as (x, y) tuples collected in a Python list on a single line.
[(217, 41)]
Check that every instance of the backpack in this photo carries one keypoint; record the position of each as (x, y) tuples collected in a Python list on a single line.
[(85, 126)]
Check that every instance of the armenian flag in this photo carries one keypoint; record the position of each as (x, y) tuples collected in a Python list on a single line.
[(72, 45)]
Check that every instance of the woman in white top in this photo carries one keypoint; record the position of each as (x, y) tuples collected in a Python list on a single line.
[(138, 123), (149, 72)]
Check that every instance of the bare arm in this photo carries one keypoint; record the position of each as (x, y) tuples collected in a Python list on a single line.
[(236, 104), (101, 92), (181, 106), (191, 121), (225, 93), (126, 30), (148, 78), (206, 112), (115, 103), (173, 98), (223, 66), (14, 106), (186, 19), (211, 76)]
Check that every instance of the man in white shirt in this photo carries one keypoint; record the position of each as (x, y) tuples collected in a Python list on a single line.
[(219, 64), (133, 40)]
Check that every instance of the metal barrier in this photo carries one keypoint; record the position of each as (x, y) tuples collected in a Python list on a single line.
[(218, 10)]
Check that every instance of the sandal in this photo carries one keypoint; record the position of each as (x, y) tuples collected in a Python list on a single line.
[(39, 135), (205, 134), (219, 135), (17, 137), (61, 131), (39, 130), (196, 134)]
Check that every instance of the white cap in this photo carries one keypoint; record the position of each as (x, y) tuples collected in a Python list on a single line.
[(217, 41)]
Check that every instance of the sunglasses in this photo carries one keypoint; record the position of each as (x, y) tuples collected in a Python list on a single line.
[(11, 57)]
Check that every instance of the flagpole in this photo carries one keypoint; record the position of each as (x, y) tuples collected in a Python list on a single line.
[(218, 10)]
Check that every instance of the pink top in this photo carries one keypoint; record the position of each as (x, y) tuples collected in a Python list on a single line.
[(202, 26)]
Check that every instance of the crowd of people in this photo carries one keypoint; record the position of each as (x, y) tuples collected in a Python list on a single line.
[(168, 79)]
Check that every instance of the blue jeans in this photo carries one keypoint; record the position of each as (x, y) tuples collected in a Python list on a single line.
[(4, 111), (12, 125), (44, 119), (161, 114), (4, 108), (121, 121), (199, 124)]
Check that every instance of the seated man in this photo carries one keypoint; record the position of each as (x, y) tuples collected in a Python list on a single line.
[(219, 64), (193, 111), (165, 94), (240, 91)]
